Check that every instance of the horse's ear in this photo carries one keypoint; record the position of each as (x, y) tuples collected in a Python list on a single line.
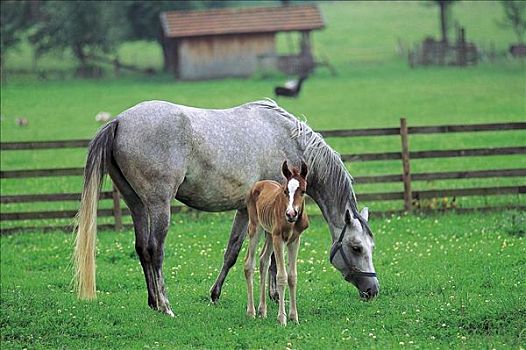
[(365, 213), (304, 170), (348, 217), (349, 220), (285, 170)]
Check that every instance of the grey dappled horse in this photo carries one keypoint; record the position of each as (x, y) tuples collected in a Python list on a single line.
[(208, 159)]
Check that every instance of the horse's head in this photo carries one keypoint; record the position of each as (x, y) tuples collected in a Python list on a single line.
[(352, 254), (294, 189)]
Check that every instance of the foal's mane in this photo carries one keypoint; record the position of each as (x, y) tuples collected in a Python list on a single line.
[(324, 162)]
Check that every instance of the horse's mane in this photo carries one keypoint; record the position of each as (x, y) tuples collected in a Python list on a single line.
[(325, 162)]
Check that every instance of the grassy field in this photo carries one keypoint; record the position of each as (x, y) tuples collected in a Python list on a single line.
[(448, 281), (486, 93)]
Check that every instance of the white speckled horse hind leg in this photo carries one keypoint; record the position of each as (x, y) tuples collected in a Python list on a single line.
[(155, 183)]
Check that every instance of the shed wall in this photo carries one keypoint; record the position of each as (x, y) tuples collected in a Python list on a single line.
[(222, 56)]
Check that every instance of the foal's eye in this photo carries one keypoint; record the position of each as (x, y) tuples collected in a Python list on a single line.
[(285, 192)]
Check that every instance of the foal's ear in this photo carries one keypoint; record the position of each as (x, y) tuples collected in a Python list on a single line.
[(304, 170), (285, 170)]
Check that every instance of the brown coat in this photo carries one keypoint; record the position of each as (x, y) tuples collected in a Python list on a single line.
[(266, 203)]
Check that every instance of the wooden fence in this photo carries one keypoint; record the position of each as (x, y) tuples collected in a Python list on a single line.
[(406, 176)]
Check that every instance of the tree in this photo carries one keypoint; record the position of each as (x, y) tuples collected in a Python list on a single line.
[(144, 16), (515, 17), (84, 27), (444, 6), (15, 19)]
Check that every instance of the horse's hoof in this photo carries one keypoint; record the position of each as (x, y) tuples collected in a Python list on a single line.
[(251, 313), (262, 312), (282, 319), (294, 318), (169, 313), (166, 310), (214, 294)]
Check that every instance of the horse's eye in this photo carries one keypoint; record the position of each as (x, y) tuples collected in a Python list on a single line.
[(285, 192), (356, 249)]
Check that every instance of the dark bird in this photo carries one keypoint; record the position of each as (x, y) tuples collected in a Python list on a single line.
[(291, 89)]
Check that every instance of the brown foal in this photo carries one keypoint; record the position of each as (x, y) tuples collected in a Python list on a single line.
[(280, 210)]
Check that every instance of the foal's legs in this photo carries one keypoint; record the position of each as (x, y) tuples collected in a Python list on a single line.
[(264, 261), (281, 277), (150, 248), (237, 236), (293, 248), (250, 262), (272, 288)]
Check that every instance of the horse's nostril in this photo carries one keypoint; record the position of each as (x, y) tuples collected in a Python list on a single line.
[(369, 293), (372, 292)]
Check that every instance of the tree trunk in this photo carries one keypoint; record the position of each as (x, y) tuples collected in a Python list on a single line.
[(161, 40), (166, 54), (78, 51), (2, 74), (443, 20)]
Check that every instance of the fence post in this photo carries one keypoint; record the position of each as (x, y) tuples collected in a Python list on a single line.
[(406, 175), (117, 212)]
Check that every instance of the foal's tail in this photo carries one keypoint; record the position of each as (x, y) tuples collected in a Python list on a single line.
[(99, 155)]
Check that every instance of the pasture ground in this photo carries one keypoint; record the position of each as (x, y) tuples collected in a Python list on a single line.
[(484, 94), (447, 281)]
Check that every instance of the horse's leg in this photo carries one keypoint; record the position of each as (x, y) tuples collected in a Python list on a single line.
[(142, 233), (264, 262), (272, 287), (154, 171), (293, 248), (150, 249), (139, 216), (281, 277), (250, 262), (237, 236)]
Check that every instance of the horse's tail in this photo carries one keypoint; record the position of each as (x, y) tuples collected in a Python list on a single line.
[(99, 155)]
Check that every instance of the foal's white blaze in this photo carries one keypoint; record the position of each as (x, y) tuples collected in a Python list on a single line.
[(292, 186)]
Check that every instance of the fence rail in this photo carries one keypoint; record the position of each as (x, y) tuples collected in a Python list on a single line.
[(363, 157), (406, 176), (68, 214), (440, 129), (413, 130), (478, 174), (51, 197), (30, 145)]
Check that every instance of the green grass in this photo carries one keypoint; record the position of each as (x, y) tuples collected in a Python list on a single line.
[(447, 281), (378, 98)]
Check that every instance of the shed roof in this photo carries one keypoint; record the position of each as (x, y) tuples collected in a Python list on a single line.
[(178, 24)]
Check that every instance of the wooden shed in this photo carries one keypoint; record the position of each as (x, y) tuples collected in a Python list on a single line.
[(231, 42)]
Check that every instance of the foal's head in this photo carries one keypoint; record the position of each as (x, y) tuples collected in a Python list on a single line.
[(294, 189)]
